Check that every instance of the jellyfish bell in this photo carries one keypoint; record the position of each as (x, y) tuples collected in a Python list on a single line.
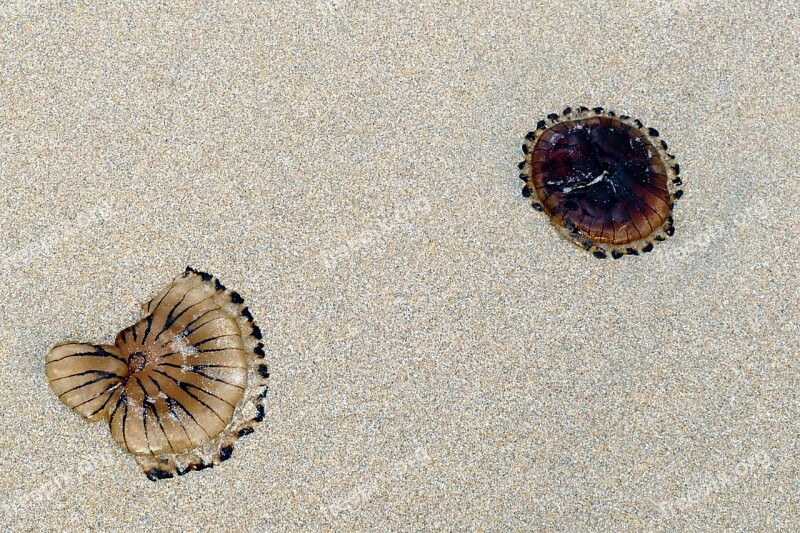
[(178, 387), (605, 180)]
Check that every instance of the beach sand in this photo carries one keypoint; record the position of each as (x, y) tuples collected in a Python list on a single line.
[(441, 358)]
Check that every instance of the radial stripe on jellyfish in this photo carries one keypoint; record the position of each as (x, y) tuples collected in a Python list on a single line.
[(178, 387), (605, 180)]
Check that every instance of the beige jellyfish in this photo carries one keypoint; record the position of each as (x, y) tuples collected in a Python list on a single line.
[(178, 387)]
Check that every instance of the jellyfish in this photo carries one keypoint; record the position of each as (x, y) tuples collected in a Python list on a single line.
[(178, 387), (606, 181)]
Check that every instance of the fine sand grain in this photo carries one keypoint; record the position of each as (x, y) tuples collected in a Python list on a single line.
[(441, 358)]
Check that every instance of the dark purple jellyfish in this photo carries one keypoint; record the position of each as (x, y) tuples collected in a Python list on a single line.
[(605, 180)]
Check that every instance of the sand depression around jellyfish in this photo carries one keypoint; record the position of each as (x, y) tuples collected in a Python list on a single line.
[(178, 387), (605, 180)]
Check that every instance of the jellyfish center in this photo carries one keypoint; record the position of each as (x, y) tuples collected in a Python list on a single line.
[(136, 362), (593, 162)]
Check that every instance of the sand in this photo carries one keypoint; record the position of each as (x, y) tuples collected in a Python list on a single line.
[(441, 358)]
